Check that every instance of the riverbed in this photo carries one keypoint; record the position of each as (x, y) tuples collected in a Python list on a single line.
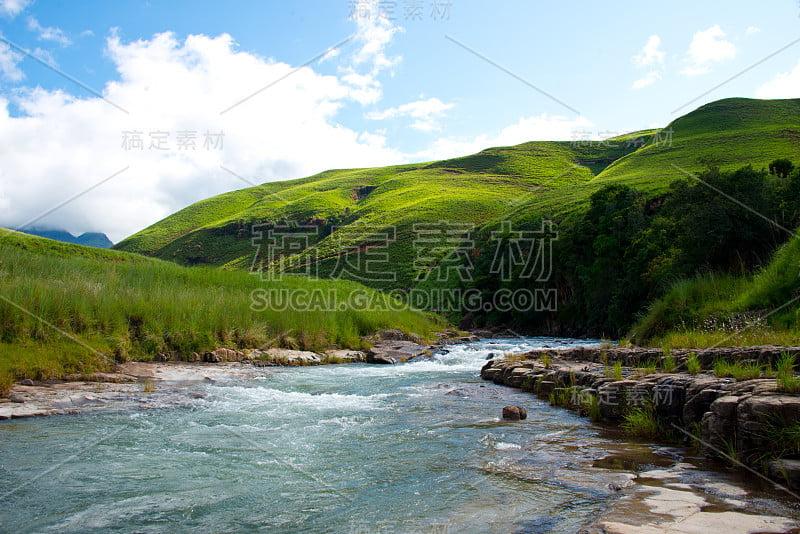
[(357, 448)]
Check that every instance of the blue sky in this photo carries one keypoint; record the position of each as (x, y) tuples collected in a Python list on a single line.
[(408, 86)]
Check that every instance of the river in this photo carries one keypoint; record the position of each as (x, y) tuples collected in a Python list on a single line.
[(352, 448)]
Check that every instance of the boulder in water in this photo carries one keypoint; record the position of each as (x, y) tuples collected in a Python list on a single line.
[(514, 413)]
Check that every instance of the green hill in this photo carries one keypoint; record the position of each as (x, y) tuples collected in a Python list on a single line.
[(728, 133), (358, 202), (74, 309), (519, 183)]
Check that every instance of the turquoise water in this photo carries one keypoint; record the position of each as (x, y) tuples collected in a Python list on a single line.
[(347, 448)]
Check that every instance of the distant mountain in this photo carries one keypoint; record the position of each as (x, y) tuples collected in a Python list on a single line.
[(89, 239)]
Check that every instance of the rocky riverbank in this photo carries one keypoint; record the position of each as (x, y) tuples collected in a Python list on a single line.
[(751, 421)]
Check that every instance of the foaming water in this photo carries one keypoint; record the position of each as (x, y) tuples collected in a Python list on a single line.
[(350, 448)]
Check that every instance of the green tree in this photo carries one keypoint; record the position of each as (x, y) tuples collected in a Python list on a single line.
[(781, 168)]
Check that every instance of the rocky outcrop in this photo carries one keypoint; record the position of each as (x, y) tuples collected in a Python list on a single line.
[(392, 352), (730, 418), (344, 356), (636, 356), (223, 355), (284, 357)]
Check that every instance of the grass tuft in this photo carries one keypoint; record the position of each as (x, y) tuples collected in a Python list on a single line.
[(693, 364), (737, 370), (784, 372), (641, 422)]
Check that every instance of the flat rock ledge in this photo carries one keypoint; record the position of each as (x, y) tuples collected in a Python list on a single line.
[(728, 417)]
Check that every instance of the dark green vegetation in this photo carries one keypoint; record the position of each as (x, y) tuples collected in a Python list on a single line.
[(73, 309), (639, 217)]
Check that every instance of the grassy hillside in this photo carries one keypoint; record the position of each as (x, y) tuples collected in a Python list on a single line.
[(64, 305), (472, 189), (520, 183), (714, 309), (728, 133)]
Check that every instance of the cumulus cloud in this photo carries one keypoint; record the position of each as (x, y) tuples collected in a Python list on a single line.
[(752, 30), (370, 59), (425, 113), (48, 33), (60, 145), (12, 8), (651, 54), (784, 85), (651, 57), (707, 47)]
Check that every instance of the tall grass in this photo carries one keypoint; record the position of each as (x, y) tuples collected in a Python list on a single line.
[(130, 307), (641, 422), (737, 370), (693, 365), (784, 372)]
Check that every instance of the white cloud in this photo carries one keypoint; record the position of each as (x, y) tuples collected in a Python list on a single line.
[(9, 61), (544, 127), (62, 145), (424, 112), (370, 58), (649, 79), (48, 33), (650, 55), (707, 47), (784, 85), (12, 8), (751, 30)]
